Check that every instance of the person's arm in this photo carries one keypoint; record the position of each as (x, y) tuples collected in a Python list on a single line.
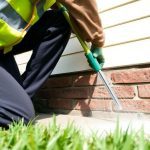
[(84, 14)]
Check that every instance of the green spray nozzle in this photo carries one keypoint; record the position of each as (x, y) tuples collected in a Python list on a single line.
[(93, 62)]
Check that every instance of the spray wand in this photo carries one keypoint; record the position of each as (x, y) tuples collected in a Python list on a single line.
[(91, 59)]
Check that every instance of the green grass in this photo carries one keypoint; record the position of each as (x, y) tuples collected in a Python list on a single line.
[(52, 137)]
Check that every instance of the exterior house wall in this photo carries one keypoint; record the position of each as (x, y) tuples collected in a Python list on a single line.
[(73, 86), (85, 93)]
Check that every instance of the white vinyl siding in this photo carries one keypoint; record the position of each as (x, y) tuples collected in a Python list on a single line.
[(127, 29)]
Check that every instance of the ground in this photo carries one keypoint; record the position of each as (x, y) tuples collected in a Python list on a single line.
[(105, 122)]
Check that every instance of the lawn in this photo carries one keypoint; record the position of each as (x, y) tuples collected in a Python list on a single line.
[(52, 137)]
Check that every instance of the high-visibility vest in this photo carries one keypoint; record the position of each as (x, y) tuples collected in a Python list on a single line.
[(16, 16)]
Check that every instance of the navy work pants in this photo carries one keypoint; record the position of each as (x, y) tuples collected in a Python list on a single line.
[(48, 39)]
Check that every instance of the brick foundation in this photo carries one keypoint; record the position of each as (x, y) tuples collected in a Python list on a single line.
[(86, 92)]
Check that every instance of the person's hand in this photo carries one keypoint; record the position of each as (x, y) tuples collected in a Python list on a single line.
[(97, 53)]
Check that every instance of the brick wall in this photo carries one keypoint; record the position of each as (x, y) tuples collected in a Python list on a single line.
[(85, 92)]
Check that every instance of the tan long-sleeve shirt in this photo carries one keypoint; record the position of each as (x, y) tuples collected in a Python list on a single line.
[(84, 14)]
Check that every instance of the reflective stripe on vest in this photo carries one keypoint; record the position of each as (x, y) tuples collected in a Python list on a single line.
[(15, 17), (10, 16)]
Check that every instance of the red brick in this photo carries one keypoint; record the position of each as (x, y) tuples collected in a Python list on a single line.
[(43, 94), (60, 103), (42, 103), (50, 93), (124, 92), (136, 106), (131, 76), (58, 82), (73, 92), (84, 80), (144, 91), (93, 104), (76, 92)]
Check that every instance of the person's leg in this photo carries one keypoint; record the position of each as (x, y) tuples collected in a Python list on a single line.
[(15, 104), (8, 62), (48, 38)]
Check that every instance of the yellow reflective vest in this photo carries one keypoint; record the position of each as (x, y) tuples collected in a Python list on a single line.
[(16, 16)]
